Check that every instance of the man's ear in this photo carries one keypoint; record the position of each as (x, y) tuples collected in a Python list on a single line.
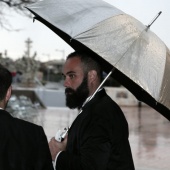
[(8, 94), (92, 76)]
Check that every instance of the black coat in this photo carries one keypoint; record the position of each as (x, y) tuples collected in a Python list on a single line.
[(98, 138), (23, 145)]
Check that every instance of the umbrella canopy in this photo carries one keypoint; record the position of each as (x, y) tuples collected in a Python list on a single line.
[(116, 39)]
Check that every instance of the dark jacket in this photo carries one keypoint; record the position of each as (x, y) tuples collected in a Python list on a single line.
[(23, 145), (98, 138)]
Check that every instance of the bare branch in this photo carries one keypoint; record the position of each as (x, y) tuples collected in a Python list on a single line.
[(15, 5)]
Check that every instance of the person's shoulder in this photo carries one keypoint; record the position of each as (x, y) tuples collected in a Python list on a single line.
[(5, 116), (107, 100), (107, 104), (25, 123), (29, 128)]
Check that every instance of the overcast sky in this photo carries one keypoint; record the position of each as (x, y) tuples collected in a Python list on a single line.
[(49, 46)]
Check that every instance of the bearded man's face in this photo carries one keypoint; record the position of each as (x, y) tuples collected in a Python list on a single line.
[(76, 98)]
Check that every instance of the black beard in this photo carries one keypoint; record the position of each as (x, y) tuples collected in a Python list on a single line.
[(76, 98)]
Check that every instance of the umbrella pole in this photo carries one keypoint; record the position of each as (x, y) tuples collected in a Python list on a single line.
[(101, 84)]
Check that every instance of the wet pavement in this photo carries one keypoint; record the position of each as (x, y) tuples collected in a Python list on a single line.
[(149, 138), (149, 133)]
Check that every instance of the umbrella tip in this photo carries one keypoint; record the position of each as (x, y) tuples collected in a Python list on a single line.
[(160, 13), (154, 19)]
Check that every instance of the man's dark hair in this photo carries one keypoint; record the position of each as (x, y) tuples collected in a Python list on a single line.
[(5, 81), (88, 62)]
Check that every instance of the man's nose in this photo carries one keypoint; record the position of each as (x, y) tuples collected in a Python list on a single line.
[(66, 83)]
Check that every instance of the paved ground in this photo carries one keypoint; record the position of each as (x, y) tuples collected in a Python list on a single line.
[(149, 133)]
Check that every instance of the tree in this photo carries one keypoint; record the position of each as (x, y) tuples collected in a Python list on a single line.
[(16, 6)]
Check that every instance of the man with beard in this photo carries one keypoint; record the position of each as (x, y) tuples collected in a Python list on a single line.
[(98, 137), (23, 145), (76, 98)]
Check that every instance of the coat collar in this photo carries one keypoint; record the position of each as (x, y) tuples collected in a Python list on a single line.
[(97, 97)]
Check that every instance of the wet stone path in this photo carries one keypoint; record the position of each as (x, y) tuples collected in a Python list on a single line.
[(149, 133)]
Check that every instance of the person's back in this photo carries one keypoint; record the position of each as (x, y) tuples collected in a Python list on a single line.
[(23, 145)]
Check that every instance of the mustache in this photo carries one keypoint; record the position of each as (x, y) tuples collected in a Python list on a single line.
[(69, 90)]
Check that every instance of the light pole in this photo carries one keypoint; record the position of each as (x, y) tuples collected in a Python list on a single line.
[(63, 53)]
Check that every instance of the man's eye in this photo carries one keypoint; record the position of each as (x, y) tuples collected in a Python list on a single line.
[(71, 76)]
